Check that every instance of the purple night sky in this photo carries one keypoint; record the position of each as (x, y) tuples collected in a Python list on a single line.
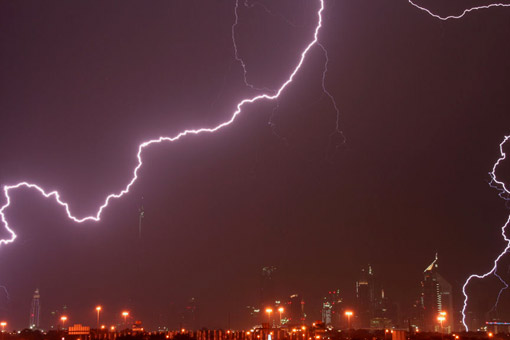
[(424, 105)]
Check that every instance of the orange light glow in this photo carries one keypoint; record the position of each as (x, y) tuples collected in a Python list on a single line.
[(490, 335), (348, 313), (269, 310), (125, 313), (98, 308), (281, 309), (63, 318)]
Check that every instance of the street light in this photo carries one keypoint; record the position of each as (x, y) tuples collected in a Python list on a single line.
[(441, 318), (63, 319), (3, 324), (269, 311), (348, 314), (98, 309), (281, 310), (125, 315)]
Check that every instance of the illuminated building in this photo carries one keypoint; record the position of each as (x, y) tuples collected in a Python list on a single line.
[(35, 310), (296, 310), (189, 317), (366, 297), (332, 309), (436, 298)]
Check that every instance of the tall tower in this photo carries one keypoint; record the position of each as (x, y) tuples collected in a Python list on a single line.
[(366, 296), (35, 310), (436, 298)]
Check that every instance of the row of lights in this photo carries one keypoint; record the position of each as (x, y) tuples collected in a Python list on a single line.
[(281, 310), (63, 318)]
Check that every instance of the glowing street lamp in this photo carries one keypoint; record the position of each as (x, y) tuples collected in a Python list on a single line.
[(281, 310), (63, 319), (269, 311), (98, 309), (3, 324), (349, 314), (441, 318), (125, 314)]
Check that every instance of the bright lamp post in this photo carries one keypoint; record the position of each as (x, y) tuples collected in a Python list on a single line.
[(63, 319), (348, 314), (125, 315), (269, 311), (281, 310), (3, 324), (441, 318), (98, 310)]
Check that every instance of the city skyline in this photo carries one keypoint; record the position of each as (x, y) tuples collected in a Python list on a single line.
[(370, 307)]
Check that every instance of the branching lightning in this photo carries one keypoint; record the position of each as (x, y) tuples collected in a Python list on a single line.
[(97, 216), (269, 95), (237, 56), (494, 183), (501, 185), (459, 16)]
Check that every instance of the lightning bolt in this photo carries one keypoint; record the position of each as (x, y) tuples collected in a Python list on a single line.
[(494, 183), (241, 62), (494, 268), (7, 189), (7, 296), (237, 55), (459, 16)]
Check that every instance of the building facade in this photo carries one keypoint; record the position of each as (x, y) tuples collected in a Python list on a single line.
[(35, 310), (436, 300)]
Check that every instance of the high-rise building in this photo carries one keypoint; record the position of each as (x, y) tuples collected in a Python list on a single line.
[(189, 317), (35, 310), (332, 309), (436, 298), (366, 297), (296, 310)]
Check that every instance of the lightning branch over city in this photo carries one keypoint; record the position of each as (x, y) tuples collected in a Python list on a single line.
[(268, 95), (273, 95), (495, 183)]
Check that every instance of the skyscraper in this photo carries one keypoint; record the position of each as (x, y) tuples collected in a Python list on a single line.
[(296, 310), (436, 298), (366, 296), (35, 310), (332, 309)]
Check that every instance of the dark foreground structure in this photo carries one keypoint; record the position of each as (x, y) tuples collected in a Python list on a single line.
[(256, 334)]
